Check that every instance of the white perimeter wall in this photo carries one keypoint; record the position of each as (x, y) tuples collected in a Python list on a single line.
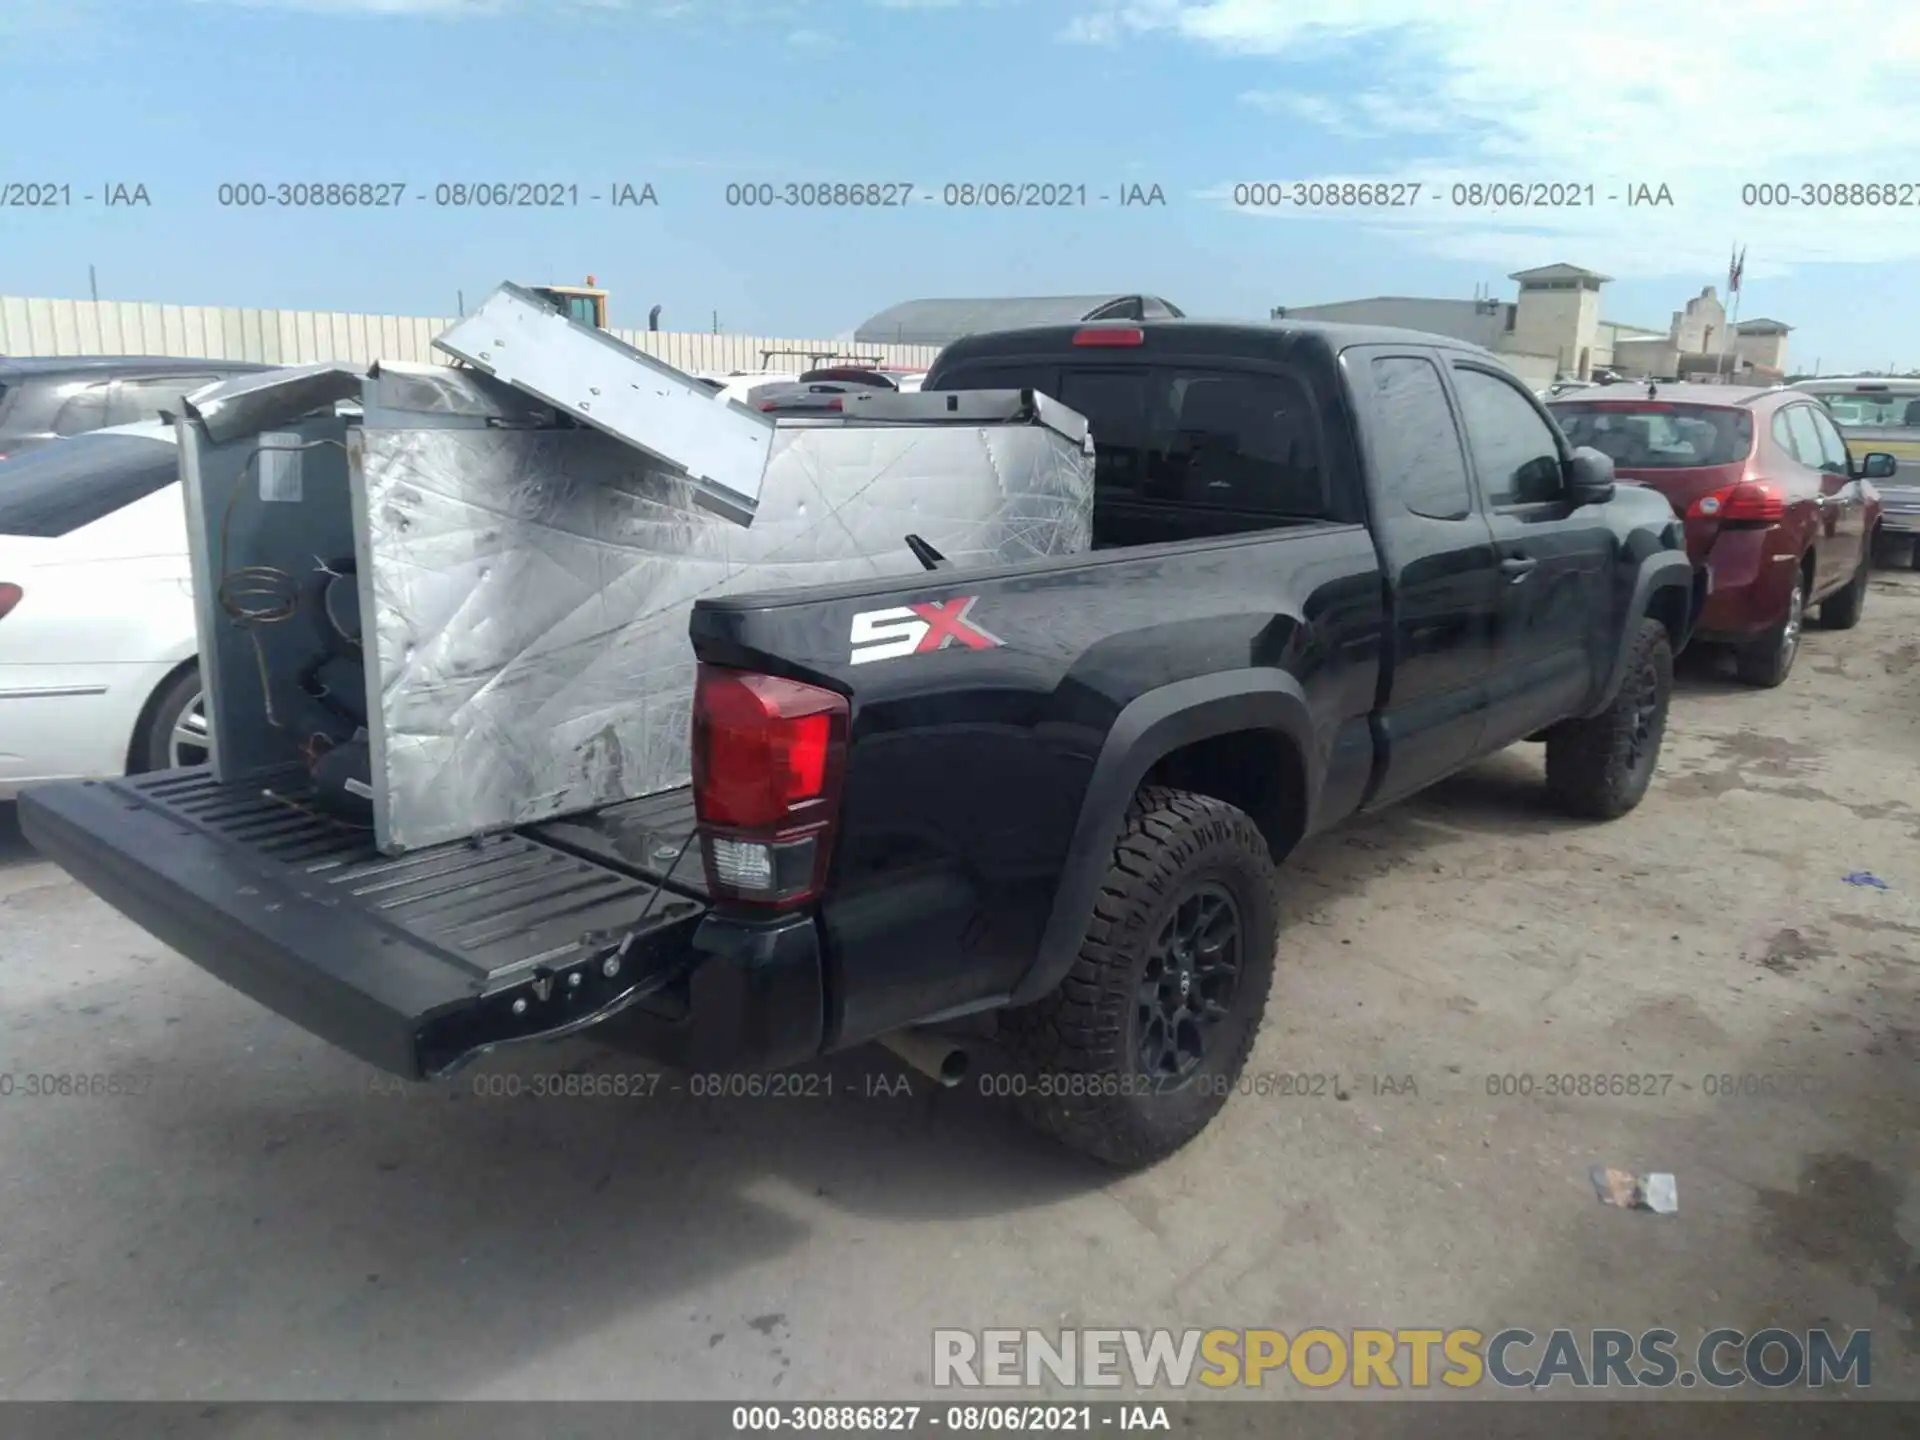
[(299, 337)]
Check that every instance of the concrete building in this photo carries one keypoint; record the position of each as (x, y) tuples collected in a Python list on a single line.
[(1764, 342), (1553, 330)]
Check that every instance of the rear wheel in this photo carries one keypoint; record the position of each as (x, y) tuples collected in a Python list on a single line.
[(1600, 767), (176, 732), (1137, 1050), (1767, 662), (1842, 610)]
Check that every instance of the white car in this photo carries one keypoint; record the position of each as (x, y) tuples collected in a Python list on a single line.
[(97, 636), (742, 387)]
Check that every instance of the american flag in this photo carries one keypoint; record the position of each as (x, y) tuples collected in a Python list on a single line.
[(1738, 264)]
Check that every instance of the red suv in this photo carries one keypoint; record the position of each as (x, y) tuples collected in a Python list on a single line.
[(1776, 510)]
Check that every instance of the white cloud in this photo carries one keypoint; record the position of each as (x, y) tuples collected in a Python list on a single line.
[(1704, 97), (451, 8), (1363, 115)]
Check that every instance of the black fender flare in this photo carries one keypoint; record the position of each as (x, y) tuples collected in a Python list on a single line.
[(1148, 729), (1662, 571)]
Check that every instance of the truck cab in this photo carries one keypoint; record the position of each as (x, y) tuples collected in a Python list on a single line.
[(586, 304)]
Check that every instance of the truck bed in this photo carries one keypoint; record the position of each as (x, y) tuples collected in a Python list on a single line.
[(416, 962)]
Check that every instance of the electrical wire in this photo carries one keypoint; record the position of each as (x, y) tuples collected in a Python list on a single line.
[(253, 596)]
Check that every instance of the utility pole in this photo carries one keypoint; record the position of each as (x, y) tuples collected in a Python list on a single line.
[(93, 285), (461, 297)]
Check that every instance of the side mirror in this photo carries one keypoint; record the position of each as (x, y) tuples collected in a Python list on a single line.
[(1878, 465), (1590, 477)]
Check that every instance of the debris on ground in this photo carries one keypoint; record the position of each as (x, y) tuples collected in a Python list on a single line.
[(1863, 877), (1658, 1192)]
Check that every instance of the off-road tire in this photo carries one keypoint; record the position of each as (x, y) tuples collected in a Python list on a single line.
[(1767, 662), (1841, 610), (1080, 1075), (1599, 768)]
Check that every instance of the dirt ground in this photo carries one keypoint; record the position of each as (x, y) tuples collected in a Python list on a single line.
[(261, 1222)]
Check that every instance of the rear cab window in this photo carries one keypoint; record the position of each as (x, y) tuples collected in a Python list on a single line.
[(1195, 449), (1650, 435), (56, 490)]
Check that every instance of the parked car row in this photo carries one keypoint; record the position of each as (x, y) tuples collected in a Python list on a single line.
[(1779, 510)]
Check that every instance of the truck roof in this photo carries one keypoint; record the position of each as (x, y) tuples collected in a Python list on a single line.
[(1250, 338)]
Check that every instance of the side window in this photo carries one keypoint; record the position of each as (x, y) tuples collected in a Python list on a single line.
[(1416, 444), (1514, 450), (1833, 449), (1781, 435), (84, 410), (1806, 439), (144, 399)]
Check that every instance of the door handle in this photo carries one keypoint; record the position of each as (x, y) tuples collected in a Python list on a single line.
[(1517, 567)]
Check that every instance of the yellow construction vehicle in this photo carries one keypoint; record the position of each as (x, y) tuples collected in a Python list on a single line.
[(585, 303)]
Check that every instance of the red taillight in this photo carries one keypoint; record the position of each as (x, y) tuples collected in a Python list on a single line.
[(1110, 335), (9, 597), (768, 756), (1748, 500)]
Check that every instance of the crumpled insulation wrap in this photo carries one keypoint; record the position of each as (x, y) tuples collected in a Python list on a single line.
[(530, 590)]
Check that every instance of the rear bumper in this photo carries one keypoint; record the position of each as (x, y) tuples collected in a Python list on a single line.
[(751, 998), (1750, 577), (342, 948)]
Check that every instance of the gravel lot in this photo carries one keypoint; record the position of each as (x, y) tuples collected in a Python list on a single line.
[(263, 1222)]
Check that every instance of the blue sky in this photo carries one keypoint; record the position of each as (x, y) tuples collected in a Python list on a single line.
[(184, 95)]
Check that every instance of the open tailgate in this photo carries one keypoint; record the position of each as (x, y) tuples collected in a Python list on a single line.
[(413, 963)]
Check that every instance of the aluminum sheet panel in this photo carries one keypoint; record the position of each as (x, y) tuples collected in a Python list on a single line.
[(529, 591), (248, 404), (604, 382)]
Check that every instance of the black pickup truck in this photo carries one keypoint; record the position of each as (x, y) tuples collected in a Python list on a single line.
[(1331, 565)]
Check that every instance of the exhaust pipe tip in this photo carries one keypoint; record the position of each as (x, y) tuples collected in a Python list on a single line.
[(937, 1057), (954, 1067)]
